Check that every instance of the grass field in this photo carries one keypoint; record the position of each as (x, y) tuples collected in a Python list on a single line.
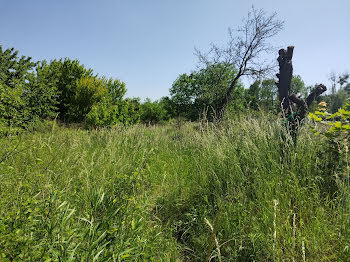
[(178, 192)]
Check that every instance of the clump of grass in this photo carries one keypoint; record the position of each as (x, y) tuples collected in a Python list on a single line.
[(145, 193)]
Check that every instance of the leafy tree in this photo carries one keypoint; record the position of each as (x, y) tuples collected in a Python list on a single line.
[(297, 85), (130, 111), (340, 92), (43, 95), (65, 74), (344, 83), (200, 92), (343, 79), (347, 88), (269, 94), (168, 105), (14, 70), (103, 114), (262, 95), (89, 91), (109, 112), (252, 95), (336, 100), (154, 112), (14, 114), (14, 77), (24, 99), (32, 91), (116, 89), (183, 94)]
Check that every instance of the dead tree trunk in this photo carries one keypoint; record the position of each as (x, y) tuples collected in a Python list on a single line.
[(285, 77), (293, 108)]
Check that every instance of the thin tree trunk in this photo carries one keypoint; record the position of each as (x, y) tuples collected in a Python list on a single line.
[(224, 101)]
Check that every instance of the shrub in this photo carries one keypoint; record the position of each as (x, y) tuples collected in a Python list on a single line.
[(13, 112), (154, 112), (103, 114), (335, 152), (89, 91), (106, 114)]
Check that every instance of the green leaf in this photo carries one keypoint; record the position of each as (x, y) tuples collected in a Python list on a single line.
[(332, 116), (320, 113)]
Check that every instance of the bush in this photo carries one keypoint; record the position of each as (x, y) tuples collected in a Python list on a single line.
[(334, 168), (89, 91), (106, 114), (13, 112), (103, 114), (154, 112), (84, 97)]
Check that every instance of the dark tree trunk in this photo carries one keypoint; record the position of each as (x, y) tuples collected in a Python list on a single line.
[(285, 77), (293, 108), (220, 109)]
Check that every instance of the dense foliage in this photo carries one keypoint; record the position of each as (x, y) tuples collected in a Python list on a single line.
[(199, 94), (24, 97), (32, 92), (157, 111), (149, 194)]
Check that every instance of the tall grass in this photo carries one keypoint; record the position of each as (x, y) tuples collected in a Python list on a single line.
[(149, 194)]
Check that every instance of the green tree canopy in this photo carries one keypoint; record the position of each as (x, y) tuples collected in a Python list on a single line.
[(64, 74), (154, 112), (262, 95), (15, 71), (201, 92), (297, 85), (24, 99)]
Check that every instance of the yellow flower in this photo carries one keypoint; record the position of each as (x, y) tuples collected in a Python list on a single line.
[(322, 104)]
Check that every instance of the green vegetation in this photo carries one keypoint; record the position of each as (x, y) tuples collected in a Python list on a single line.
[(199, 94), (157, 111), (33, 92), (88, 174), (145, 193), (23, 98)]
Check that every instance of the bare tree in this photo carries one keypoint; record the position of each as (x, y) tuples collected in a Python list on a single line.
[(244, 50)]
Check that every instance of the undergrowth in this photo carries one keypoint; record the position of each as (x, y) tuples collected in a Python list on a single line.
[(178, 192)]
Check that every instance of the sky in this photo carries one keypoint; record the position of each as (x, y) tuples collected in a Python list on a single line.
[(148, 43)]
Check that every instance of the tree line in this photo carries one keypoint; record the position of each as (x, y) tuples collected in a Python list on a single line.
[(31, 92)]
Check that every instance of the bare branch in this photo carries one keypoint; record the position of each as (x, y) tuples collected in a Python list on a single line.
[(244, 49)]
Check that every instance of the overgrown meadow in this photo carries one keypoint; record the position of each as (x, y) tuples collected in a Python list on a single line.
[(209, 173), (176, 192)]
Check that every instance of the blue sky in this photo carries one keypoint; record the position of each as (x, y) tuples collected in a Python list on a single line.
[(147, 44)]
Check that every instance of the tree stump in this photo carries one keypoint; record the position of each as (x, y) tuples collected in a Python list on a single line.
[(293, 107)]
